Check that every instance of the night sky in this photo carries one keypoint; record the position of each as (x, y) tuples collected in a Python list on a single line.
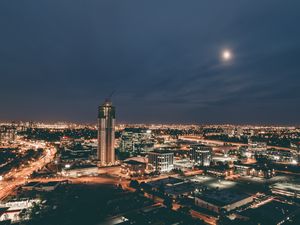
[(59, 60)]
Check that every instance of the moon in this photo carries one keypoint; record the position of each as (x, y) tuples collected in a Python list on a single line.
[(226, 55)]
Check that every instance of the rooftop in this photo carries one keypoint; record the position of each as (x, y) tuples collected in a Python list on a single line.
[(49, 184), (213, 182), (293, 187), (133, 162), (222, 197), (270, 213), (180, 189), (157, 152), (31, 184), (81, 166), (170, 181)]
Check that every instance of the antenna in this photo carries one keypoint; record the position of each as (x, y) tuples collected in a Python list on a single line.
[(108, 99)]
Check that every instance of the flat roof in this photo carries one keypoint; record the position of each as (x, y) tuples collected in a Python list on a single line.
[(223, 158), (3, 209), (200, 145), (157, 151), (180, 189), (222, 197), (166, 181), (212, 182), (134, 162), (31, 184), (158, 215), (270, 213), (49, 184), (85, 166), (183, 162), (290, 186)]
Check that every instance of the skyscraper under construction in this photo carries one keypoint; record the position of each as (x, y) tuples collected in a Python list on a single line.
[(106, 133)]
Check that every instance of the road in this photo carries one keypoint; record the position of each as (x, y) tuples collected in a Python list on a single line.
[(17, 177), (82, 180), (208, 219), (216, 142)]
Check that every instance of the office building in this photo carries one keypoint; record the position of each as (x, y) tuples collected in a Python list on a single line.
[(106, 134), (136, 140), (162, 161), (14, 207), (134, 167), (201, 155)]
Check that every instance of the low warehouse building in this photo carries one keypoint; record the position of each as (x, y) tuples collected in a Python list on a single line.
[(222, 201)]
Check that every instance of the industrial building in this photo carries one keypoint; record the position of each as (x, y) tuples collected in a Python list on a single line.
[(222, 201)]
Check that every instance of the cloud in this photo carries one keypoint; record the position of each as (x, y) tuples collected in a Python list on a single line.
[(157, 55)]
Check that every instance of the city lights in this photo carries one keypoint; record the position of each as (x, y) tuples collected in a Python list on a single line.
[(204, 127)]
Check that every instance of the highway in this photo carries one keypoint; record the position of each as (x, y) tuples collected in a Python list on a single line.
[(221, 143), (82, 180), (19, 176)]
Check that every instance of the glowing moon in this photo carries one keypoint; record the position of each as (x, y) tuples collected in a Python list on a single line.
[(226, 55)]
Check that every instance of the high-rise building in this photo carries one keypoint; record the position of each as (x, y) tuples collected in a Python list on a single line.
[(106, 134), (201, 155)]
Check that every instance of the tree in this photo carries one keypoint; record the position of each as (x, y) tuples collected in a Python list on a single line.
[(144, 186), (168, 202), (24, 214), (134, 184), (184, 210), (161, 188)]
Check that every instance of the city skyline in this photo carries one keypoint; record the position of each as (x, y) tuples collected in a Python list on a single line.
[(149, 112), (173, 63)]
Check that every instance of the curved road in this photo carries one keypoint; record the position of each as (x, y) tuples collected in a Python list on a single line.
[(17, 177)]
